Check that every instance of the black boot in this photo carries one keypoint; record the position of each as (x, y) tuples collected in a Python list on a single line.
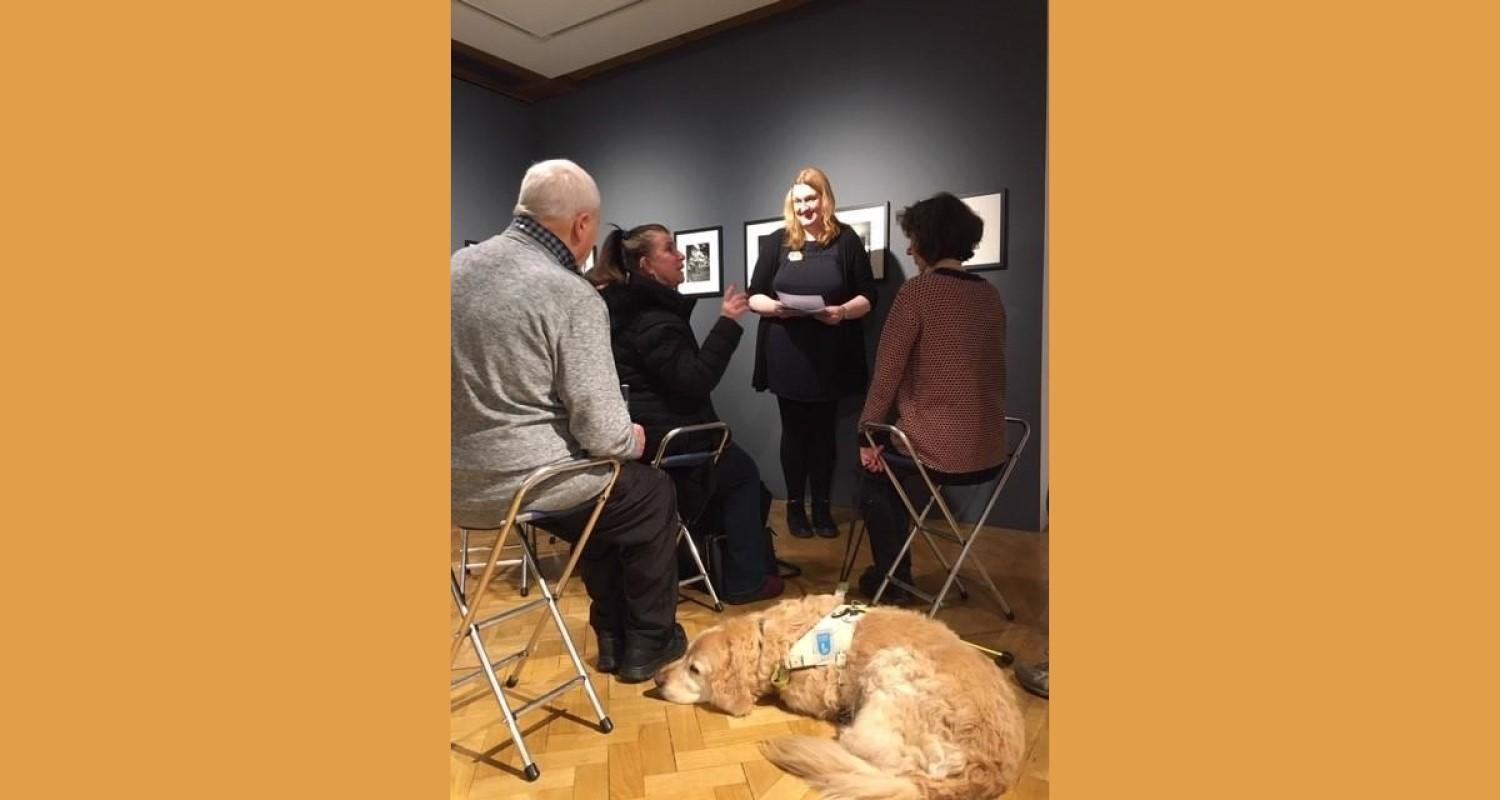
[(644, 659), (796, 520), (610, 645), (869, 581), (822, 520)]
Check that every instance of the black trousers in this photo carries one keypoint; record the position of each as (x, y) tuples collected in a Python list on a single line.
[(747, 545), (886, 520), (807, 450), (630, 564)]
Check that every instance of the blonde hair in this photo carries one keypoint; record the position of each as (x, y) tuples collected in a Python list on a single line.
[(795, 235)]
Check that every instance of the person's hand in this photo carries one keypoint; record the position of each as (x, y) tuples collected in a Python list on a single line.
[(735, 303), (831, 315), (869, 458), (778, 310), (640, 441)]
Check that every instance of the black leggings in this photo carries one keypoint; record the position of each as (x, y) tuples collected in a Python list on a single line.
[(807, 452)]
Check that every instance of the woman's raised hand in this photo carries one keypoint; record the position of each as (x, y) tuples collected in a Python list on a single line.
[(735, 303)]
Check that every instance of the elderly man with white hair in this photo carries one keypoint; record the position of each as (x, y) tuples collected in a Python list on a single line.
[(534, 383)]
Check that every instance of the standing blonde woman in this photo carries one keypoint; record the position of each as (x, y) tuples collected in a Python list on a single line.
[(809, 359)]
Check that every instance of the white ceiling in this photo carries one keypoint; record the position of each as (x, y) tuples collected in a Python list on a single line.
[(556, 37)]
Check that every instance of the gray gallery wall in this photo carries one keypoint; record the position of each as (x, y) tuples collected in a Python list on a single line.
[(493, 142), (895, 100)]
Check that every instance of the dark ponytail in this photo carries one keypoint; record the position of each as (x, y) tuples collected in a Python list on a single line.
[(621, 252)]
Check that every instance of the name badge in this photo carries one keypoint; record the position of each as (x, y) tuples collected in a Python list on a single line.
[(795, 255)]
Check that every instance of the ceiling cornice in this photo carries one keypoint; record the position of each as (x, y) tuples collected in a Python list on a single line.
[(472, 65)]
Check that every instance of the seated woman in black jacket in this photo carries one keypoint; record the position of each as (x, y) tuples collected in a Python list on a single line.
[(670, 378)]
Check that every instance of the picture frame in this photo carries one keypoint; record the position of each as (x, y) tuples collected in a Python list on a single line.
[(703, 265), (993, 209), (754, 229), (872, 223)]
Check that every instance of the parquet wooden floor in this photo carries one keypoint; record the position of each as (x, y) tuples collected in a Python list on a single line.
[(673, 752)]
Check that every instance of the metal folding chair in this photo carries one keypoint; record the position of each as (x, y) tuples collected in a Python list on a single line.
[(707, 459), (472, 625), (956, 532)]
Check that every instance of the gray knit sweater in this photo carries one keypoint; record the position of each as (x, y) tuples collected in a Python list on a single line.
[(533, 379)]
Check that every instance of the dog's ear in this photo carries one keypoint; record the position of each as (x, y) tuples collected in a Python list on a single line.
[(732, 693), (736, 684)]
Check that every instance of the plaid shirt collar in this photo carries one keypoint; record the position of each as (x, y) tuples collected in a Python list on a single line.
[(547, 239)]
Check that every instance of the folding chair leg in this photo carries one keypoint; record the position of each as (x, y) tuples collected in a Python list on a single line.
[(968, 543), (953, 575), (999, 596), (931, 545), (947, 568), (605, 724), (463, 554), (531, 771), (684, 535), (851, 548), (938, 554), (890, 573), (536, 633), (526, 534)]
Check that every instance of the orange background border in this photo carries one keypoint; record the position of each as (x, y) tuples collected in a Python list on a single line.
[(1273, 418)]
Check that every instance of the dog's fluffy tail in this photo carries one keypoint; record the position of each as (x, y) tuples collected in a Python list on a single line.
[(835, 772)]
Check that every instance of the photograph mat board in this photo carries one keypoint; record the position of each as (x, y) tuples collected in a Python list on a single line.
[(870, 222), (990, 252), (703, 261), (754, 229)]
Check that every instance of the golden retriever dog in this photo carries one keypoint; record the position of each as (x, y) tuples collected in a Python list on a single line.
[(922, 714)]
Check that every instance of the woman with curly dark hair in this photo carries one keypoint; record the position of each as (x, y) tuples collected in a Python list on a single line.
[(940, 371)]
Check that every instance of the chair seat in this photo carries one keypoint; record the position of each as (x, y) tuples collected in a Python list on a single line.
[(895, 458), (529, 517), (686, 460)]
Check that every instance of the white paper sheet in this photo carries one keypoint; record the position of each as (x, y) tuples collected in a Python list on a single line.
[(805, 303)]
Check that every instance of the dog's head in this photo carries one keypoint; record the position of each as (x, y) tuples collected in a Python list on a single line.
[(721, 668)]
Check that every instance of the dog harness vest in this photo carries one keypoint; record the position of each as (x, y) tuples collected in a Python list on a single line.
[(828, 642)]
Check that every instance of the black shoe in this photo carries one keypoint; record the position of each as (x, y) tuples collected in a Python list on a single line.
[(869, 582), (610, 644), (1033, 678), (822, 520), (796, 520), (642, 661)]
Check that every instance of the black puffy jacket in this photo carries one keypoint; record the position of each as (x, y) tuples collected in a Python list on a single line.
[(669, 374)]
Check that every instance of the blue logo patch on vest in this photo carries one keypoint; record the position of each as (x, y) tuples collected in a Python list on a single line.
[(825, 643)]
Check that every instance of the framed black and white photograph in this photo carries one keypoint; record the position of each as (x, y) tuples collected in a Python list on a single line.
[(703, 261), (990, 253), (754, 229), (871, 222)]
